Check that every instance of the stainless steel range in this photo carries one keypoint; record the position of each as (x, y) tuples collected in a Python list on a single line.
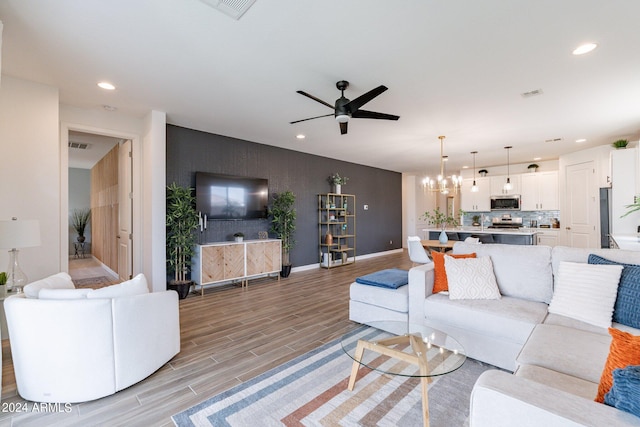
[(506, 221)]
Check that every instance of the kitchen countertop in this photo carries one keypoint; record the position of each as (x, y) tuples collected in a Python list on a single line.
[(479, 230), (629, 242)]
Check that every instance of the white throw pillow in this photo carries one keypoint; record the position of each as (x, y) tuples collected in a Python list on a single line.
[(471, 278), (46, 293), (135, 286), (57, 281), (586, 292)]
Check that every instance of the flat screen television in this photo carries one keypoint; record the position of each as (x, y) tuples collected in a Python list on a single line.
[(231, 197)]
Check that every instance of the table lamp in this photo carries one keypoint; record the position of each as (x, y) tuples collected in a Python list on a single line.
[(16, 234)]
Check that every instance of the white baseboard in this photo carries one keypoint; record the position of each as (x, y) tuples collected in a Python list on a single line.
[(373, 255)]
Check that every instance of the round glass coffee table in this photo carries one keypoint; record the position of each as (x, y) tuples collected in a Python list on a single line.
[(427, 352)]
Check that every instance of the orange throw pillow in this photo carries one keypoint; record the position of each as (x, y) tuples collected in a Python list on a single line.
[(440, 274), (624, 351)]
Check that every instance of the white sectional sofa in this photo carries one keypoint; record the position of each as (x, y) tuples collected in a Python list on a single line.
[(74, 345), (557, 360)]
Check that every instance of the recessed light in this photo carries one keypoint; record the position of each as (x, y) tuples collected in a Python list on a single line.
[(106, 86), (300, 136), (584, 48), (465, 167), (581, 140), (537, 158)]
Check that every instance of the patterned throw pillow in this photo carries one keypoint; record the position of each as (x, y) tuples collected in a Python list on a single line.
[(471, 278), (626, 309), (624, 351), (625, 392), (440, 275)]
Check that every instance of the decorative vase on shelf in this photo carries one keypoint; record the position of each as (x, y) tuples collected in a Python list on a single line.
[(337, 188), (328, 239), (443, 238)]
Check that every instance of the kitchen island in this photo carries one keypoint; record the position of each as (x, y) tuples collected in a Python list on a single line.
[(628, 242), (516, 236)]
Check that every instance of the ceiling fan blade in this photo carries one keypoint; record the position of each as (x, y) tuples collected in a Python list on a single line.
[(310, 118), (301, 92), (363, 99), (343, 128), (364, 114)]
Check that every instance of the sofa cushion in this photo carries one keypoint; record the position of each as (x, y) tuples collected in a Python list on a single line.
[(136, 286), (57, 281), (626, 309), (521, 271), (564, 382), (392, 299), (625, 392), (581, 354), (46, 293), (508, 318), (624, 351), (471, 278), (586, 292), (440, 282)]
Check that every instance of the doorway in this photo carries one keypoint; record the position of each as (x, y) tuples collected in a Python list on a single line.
[(93, 163)]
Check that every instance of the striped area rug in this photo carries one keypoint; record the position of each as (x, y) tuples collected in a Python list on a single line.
[(311, 390)]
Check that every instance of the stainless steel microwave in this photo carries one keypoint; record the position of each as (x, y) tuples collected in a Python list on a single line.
[(505, 203)]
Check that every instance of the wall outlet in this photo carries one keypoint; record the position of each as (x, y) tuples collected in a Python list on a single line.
[(391, 242), (366, 207)]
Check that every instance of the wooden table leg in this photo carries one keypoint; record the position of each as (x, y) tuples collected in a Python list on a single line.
[(356, 364), (420, 351)]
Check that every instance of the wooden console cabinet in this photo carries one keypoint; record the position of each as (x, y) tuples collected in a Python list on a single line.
[(228, 261)]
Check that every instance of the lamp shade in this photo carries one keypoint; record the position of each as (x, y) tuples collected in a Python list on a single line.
[(19, 233)]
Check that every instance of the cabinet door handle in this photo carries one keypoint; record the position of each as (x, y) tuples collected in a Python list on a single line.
[(567, 228)]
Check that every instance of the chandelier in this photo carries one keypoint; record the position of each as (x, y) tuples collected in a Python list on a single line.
[(441, 184)]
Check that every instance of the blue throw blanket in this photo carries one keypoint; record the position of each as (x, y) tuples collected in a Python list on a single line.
[(391, 278)]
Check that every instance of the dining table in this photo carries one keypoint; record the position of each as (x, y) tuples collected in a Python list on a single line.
[(436, 245)]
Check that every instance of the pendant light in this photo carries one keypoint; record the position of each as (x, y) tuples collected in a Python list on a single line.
[(507, 185), (441, 185), (474, 187)]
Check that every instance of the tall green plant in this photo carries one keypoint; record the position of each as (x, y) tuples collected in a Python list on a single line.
[(182, 220), (283, 221), (79, 220)]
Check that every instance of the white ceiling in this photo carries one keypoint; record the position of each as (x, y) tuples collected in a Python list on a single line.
[(454, 68)]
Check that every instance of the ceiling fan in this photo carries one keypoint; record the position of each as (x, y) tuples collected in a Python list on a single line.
[(345, 109)]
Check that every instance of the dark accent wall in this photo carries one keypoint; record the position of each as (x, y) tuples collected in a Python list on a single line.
[(189, 151)]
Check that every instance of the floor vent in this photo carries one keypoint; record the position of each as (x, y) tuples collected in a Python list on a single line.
[(232, 8), (78, 145)]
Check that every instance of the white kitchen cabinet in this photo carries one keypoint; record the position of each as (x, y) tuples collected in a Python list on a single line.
[(475, 202), (547, 237), (497, 185), (623, 191), (539, 191)]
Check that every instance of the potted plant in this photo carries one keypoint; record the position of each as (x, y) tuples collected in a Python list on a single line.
[(621, 143), (483, 172), (238, 236), (182, 220), (79, 220), (633, 207), (3, 282), (283, 224), (440, 219), (533, 167), (475, 220), (337, 181)]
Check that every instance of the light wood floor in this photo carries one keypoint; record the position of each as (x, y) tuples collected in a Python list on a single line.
[(228, 336)]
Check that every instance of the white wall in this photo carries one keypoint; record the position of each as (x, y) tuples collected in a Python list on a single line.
[(30, 169)]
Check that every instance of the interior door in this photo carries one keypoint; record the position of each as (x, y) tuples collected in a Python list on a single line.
[(581, 206), (125, 214)]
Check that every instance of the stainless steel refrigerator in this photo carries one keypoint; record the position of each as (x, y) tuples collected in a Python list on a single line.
[(605, 217)]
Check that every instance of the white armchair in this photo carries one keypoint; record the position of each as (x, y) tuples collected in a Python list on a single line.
[(76, 350)]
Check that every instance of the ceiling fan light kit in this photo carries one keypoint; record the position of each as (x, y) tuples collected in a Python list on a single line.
[(345, 109)]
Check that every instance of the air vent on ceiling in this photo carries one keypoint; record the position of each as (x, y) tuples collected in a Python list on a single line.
[(232, 8), (78, 145), (532, 93), (553, 140)]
